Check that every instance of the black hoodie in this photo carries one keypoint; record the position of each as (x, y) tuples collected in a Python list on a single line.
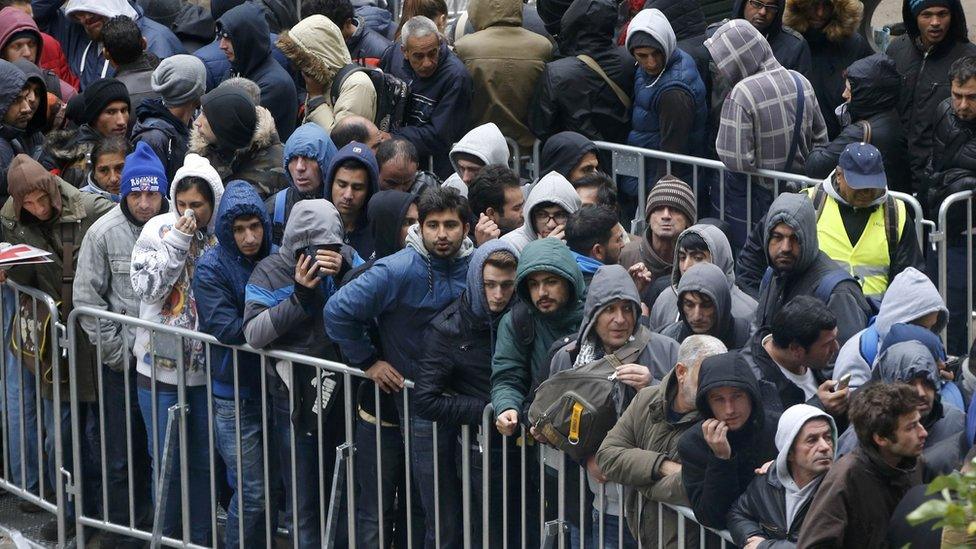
[(563, 152), (789, 47), (713, 484), (168, 136), (925, 79)]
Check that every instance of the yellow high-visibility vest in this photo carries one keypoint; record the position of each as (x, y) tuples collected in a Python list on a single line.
[(868, 260)]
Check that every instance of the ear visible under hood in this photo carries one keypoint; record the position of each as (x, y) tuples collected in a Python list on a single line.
[(249, 33), (491, 13), (740, 51), (654, 23), (553, 188), (789, 427), (311, 141), (958, 31), (476, 275), (910, 295), (609, 284), (311, 223), (718, 247), (485, 142), (240, 199), (843, 22), (796, 211), (708, 279)]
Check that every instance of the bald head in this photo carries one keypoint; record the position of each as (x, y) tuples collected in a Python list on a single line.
[(356, 128)]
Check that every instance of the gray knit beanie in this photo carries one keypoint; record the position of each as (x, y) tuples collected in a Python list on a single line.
[(673, 192), (180, 79)]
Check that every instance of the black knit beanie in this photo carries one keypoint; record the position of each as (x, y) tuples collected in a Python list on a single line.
[(99, 94), (231, 115)]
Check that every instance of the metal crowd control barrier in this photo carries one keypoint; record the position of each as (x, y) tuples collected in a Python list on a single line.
[(940, 238), (33, 341)]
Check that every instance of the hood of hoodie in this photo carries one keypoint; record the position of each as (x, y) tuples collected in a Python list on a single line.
[(906, 361), (105, 8), (738, 12), (265, 135), (796, 211), (789, 426), (198, 166), (13, 21), (842, 25), (730, 370), (240, 199), (311, 223), (316, 47), (491, 13), (310, 141), (875, 85), (958, 32), (26, 175), (654, 23), (485, 142), (248, 31), (910, 332), (553, 188), (587, 26), (718, 248), (551, 256), (12, 80), (610, 284), (685, 16), (415, 240), (709, 279), (355, 151), (39, 120), (386, 212), (563, 152), (909, 296), (152, 114), (476, 278), (740, 51)]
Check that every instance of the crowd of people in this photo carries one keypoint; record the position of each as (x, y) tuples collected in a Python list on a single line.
[(333, 183)]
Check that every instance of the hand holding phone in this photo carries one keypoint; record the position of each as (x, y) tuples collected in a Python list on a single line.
[(843, 382)]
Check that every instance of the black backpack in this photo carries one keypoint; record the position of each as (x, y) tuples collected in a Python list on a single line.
[(392, 94)]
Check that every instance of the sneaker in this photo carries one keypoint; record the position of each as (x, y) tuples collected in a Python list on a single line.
[(49, 532)]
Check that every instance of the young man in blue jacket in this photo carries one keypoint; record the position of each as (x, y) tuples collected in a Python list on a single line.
[(244, 238), (403, 293)]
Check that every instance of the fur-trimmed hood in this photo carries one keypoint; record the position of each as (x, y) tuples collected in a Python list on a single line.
[(265, 136), (843, 22), (315, 47)]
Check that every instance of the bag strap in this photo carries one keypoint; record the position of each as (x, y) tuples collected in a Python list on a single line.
[(69, 233), (867, 130), (797, 122), (595, 67), (890, 212), (629, 352), (340, 77)]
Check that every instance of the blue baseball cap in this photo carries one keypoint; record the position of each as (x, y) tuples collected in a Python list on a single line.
[(863, 167)]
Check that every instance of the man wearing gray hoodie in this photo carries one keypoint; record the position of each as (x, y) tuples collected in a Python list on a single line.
[(547, 209), (771, 511), (479, 147), (705, 306)]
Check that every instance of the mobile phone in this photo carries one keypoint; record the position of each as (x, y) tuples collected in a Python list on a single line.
[(844, 381)]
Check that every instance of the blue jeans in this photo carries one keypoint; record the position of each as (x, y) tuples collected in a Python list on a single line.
[(248, 506), (198, 452), (422, 466), (19, 380)]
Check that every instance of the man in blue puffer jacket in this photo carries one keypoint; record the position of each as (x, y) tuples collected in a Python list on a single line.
[(78, 27), (244, 238), (669, 96)]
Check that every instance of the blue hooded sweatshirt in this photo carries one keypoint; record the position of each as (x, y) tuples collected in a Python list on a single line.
[(359, 238), (310, 141), (248, 31), (218, 284)]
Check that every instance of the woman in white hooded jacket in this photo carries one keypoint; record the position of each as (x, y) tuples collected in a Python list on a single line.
[(163, 261)]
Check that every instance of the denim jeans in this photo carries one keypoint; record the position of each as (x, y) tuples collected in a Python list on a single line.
[(20, 396), (116, 451), (449, 489), (390, 481), (198, 454), (248, 506)]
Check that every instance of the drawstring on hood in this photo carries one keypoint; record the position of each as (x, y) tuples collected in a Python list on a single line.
[(654, 23), (416, 241)]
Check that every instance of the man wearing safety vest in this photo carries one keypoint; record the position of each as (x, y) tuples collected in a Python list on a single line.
[(859, 225)]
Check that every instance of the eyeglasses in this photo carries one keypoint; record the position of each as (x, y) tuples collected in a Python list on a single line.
[(222, 34), (758, 6), (542, 216)]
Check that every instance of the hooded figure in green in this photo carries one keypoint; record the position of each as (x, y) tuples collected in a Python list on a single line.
[(526, 333)]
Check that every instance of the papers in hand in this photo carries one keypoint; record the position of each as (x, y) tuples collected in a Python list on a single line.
[(22, 254)]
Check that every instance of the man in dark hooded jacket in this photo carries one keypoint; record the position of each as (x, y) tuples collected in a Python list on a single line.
[(830, 28), (570, 95), (20, 132), (935, 36), (705, 307), (735, 436), (366, 46), (569, 154), (349, 183), (308, 155), (874, 87), (219, 285), (799, 267), (244, 39), (789, 47)]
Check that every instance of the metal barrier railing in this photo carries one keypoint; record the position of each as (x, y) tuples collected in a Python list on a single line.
[(940, 239)]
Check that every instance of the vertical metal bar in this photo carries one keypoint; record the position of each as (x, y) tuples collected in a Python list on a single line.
[(408, 481), (561, 497), (466, 484), (127, 399), (381, 523), (524, 471), (969, 270), (238, 441), (485, 473), (183, 401), (582, 505), (325, 539), (437, 491), (100, 384), (350, 465), (265, 451), (211, 435), (721, 194), (293, 437)]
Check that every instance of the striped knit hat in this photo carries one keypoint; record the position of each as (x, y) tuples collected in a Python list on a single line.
[(673, 192)]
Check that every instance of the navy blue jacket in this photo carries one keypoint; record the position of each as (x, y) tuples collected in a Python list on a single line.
[(160, 41), (437, 113), (248, 31), (168, 136), (218, 285), (360, 238)]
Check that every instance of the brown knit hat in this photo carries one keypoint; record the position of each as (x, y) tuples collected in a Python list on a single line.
[(25, 176), (673, 192)]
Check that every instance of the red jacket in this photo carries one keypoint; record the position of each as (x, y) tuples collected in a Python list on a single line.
[(53, 58)]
